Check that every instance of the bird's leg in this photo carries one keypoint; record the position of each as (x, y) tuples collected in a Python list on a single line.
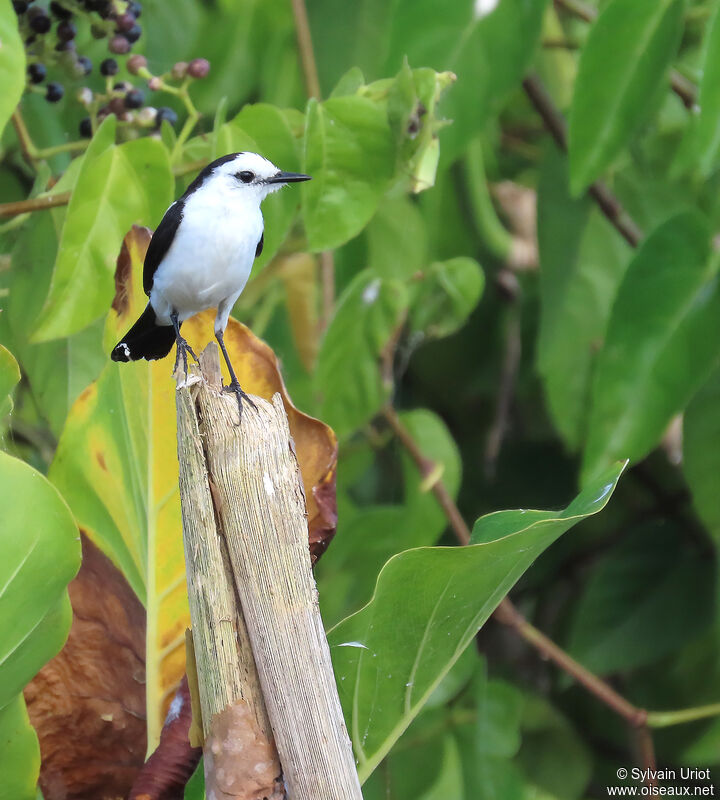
[(234, 385), (182, 347)]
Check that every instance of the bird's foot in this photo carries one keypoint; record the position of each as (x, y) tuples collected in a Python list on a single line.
[(182, 350), (234, 387)]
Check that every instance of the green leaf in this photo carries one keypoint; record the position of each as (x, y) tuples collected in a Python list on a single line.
[(9, 377), (622, 66), (648, 597), (349, 152), (348, 372), (582, 261), (701, 454), (117, 187), (445, 297), (427, 607), (36, 564), (58, 370), (662, 342), (701, 145), (19, 753), (552, 756), (489, 52), (12, 62), (397, 240)]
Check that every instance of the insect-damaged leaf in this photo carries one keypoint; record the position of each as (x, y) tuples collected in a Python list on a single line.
[(117, 467)]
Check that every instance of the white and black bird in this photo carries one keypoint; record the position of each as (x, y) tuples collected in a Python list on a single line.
[(201, 255)]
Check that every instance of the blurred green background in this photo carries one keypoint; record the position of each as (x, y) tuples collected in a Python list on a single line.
[(510, 240)]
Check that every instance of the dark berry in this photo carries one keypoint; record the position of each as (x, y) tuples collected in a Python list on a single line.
[(83, 66), (54, 92), (85, 128), (66, 31), (123, 86), (119, 45), (135, 9), (198, 68), (109, 67), (37, 73), (165, 114), (133, 34), (124, 22), (30, 39), (116, 106), (65, 47), (103, 7), (60, 11), (134, 99), (136, 63), (20, 6), (39, 20)]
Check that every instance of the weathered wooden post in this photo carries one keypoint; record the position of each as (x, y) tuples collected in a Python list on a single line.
[(271, 715)]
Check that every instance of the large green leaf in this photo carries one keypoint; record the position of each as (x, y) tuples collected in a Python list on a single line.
[(701, 146), (428, 605), (19, 753), (349, 377), (622, 66), (489, 52), (9, 377), (582, 260), (12, 62), (117, 186), (662, 341), (349, 151), (649, 596), (701, 453), (39, 554)]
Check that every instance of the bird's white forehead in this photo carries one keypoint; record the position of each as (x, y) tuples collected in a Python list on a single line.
[(252, 162)]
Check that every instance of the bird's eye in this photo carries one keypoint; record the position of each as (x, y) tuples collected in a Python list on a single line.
[(245, 176)]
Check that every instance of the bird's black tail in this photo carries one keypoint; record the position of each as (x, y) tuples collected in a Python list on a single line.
[(146, 339)]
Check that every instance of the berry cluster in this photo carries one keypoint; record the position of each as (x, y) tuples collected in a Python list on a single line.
[(50, 34), (50, 41)]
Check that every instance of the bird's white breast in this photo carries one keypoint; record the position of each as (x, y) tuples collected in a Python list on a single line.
[(210, 258)]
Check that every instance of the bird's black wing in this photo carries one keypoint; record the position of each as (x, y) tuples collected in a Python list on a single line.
[(260, 244), (161, 241)]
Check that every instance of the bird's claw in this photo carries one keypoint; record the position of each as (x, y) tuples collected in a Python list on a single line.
[(182, 349), (234, 387)]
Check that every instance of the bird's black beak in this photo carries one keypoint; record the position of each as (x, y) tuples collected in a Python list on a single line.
[(288, 177)]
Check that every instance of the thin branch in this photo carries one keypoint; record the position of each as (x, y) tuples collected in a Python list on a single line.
[(26, 144), (305, 46), (682, 87), (606, 200), (41, 203), (312, 85)]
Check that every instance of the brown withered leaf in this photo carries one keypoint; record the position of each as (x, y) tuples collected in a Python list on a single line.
[(88, 704)]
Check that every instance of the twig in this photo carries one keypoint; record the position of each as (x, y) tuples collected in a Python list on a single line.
[(682, 87), (506, 390), (312, 85), (41, 203), (327, 280), (26, 145), (305, 46), (606, 200)]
